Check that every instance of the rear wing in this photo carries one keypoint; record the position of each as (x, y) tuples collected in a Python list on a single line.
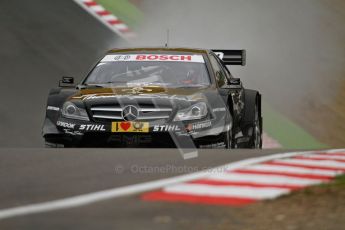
[(232, 57)]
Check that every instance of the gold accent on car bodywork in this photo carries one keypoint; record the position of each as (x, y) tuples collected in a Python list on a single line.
[(146, 90)]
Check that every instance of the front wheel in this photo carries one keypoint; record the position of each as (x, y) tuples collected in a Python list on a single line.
[(222, 141), (228, 140), (52, 145)]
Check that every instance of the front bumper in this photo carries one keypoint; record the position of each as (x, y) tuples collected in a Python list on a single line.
[(190, 134)]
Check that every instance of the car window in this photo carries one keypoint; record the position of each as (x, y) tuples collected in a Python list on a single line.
[(151, 69), (225, 69), (220, 75)]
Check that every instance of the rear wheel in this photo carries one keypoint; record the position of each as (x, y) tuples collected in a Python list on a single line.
[(256, 142), (251, 125)]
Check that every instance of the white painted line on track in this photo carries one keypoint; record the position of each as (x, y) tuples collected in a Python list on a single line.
[(90, 198), (291, 169), (338, 151), (324, 156), (263, 179), (326, 163), (226, 191)]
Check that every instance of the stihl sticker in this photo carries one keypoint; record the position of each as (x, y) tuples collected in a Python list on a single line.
[(154, 57)]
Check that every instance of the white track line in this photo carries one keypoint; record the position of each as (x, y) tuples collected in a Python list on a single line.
[(86, 199), (338, 151), (317, 156), (263, 179), (291, 169), (226, 191), (97, 8), (325, 163)]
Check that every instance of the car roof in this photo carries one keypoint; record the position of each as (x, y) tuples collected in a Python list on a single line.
[(159, 50)]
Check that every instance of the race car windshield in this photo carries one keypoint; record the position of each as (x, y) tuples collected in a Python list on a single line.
[(167, 73)]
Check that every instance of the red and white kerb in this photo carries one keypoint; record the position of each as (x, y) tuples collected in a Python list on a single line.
[(251, 183), (154, 57), (107, 18)]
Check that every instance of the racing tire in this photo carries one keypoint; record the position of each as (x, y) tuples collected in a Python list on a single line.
[(256, 139), (228, 140), (252, 122), (221, 141)]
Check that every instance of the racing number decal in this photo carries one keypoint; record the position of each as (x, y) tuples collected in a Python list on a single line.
[(129, 127)]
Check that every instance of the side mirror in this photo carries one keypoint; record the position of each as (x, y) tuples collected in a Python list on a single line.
[(66, 82), (235, 83)]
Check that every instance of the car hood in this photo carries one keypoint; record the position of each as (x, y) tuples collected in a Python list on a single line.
[(193, 93)]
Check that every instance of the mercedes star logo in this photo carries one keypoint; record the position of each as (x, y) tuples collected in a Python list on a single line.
[(130, 113), (136, 90)]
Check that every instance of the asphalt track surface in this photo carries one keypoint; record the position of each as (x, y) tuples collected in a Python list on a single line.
[(38, 175), (42, 40)]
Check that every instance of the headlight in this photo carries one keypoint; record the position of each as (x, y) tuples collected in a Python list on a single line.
[(196, 111), (70, 110)]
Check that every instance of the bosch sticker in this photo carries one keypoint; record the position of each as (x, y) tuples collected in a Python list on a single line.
[(154, 57)]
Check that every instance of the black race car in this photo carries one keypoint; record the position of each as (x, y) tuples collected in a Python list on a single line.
[(156, 97)]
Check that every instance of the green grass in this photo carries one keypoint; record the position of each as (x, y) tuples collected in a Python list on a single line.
[(124, 10), (338, 182), (287, 133)]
